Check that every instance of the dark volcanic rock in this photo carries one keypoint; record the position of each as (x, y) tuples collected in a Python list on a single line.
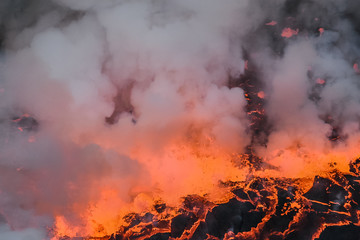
[(200, 232), (306, 227), (240, 193), (318, 192), (27, 123), (285, 213), (232, 216), (160, 207), (349, 232), (280, 220), (159, 236), (180, 223)]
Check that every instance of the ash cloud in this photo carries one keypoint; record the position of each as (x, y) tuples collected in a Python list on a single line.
[(25, 234), (133, 102)]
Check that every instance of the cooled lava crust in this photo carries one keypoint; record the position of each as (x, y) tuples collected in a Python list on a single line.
[(272, 209)]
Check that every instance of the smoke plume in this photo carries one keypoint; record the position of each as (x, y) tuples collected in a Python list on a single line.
[(108, 106)]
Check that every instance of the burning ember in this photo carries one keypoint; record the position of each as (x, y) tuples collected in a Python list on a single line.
[(175, 120)]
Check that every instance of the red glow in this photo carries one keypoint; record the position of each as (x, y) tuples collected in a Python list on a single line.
[(320, 81), (288, 32), (272, 23), (356, 68), (181, 127), (261, 94)]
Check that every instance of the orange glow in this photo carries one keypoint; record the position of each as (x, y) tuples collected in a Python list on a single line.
[(112, 108), (181, 168), (193, 163), (261, 94), (288, 32)]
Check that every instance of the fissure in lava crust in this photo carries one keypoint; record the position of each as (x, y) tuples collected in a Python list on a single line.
[(264, 208), (181, 119)]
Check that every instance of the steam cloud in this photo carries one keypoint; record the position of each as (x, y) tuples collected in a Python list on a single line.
[(109, 105)]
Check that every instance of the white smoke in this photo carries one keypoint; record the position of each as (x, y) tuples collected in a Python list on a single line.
[(26, 234), (164, 66)]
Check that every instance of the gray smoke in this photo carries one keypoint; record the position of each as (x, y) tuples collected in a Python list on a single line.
[(106, 106)]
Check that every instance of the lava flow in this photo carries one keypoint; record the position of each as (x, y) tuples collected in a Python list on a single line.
[(157, 120), (261, 208)]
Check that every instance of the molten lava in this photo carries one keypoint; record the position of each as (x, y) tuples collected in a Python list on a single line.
[(260, 208), (162, 120)]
